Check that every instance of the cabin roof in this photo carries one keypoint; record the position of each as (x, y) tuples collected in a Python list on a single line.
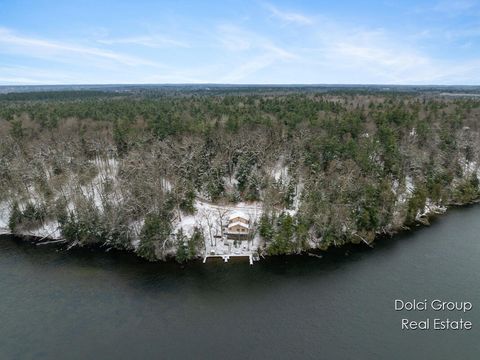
[(238, 223), (238, 214)]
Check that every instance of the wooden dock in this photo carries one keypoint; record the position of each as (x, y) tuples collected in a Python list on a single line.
[(227, 257)]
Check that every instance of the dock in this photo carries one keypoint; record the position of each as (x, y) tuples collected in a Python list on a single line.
[(227, 257)]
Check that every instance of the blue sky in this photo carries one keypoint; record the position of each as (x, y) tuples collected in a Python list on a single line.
[(229, 41)]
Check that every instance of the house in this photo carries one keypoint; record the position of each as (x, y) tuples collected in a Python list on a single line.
[(238, 226)]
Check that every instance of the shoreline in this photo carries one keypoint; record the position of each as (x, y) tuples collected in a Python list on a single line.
[(428, 219)]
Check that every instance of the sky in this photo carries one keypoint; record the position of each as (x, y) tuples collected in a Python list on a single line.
[(240, 42)]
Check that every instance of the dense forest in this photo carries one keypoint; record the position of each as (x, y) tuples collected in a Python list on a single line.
[(122, 169)]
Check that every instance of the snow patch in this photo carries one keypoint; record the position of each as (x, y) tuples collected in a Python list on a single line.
[(403, 196), (166, 185), (136, 227), (4, 217), (469, 167), (279, 171), (187, 223), (430, 209), (107, 172), (230, 181), (212, 219), (296, 200), (409, 185)]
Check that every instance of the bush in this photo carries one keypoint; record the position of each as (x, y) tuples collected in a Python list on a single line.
[(32, 216), (182, 251), (83, 228), (283, 240), (416, 203), (15, 217), (467, 190), (195, 243)]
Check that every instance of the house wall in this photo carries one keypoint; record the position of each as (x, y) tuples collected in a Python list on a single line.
[(238, 228)]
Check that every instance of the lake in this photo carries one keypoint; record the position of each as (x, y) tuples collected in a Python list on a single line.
[(85, 304)]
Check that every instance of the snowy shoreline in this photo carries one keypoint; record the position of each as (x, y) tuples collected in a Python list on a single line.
[(211, 217), (429, 214)]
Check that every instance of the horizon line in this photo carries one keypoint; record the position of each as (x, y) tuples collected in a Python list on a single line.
[(241, 84)]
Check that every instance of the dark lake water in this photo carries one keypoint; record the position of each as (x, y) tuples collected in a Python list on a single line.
[(86, 304)]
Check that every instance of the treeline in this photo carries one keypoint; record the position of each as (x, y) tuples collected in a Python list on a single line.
[(164, 116)]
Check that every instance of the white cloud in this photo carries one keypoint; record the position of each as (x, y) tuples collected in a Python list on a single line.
[(236, 39), (233, 38), (156, 41), (376, 52), (258, 52), (11, 42), (289, 16)]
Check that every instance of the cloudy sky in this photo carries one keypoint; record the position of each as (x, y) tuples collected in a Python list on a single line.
[(230, 41)]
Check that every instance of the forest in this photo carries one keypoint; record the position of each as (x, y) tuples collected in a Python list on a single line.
[(122, 169)]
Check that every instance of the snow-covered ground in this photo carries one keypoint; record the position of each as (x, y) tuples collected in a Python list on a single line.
[(280, 172), (107, 172), (403, 196), (48, 230), (430, 209), (212, 218), (470, 167), (4, 216), (296, 200), (209, 218)]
